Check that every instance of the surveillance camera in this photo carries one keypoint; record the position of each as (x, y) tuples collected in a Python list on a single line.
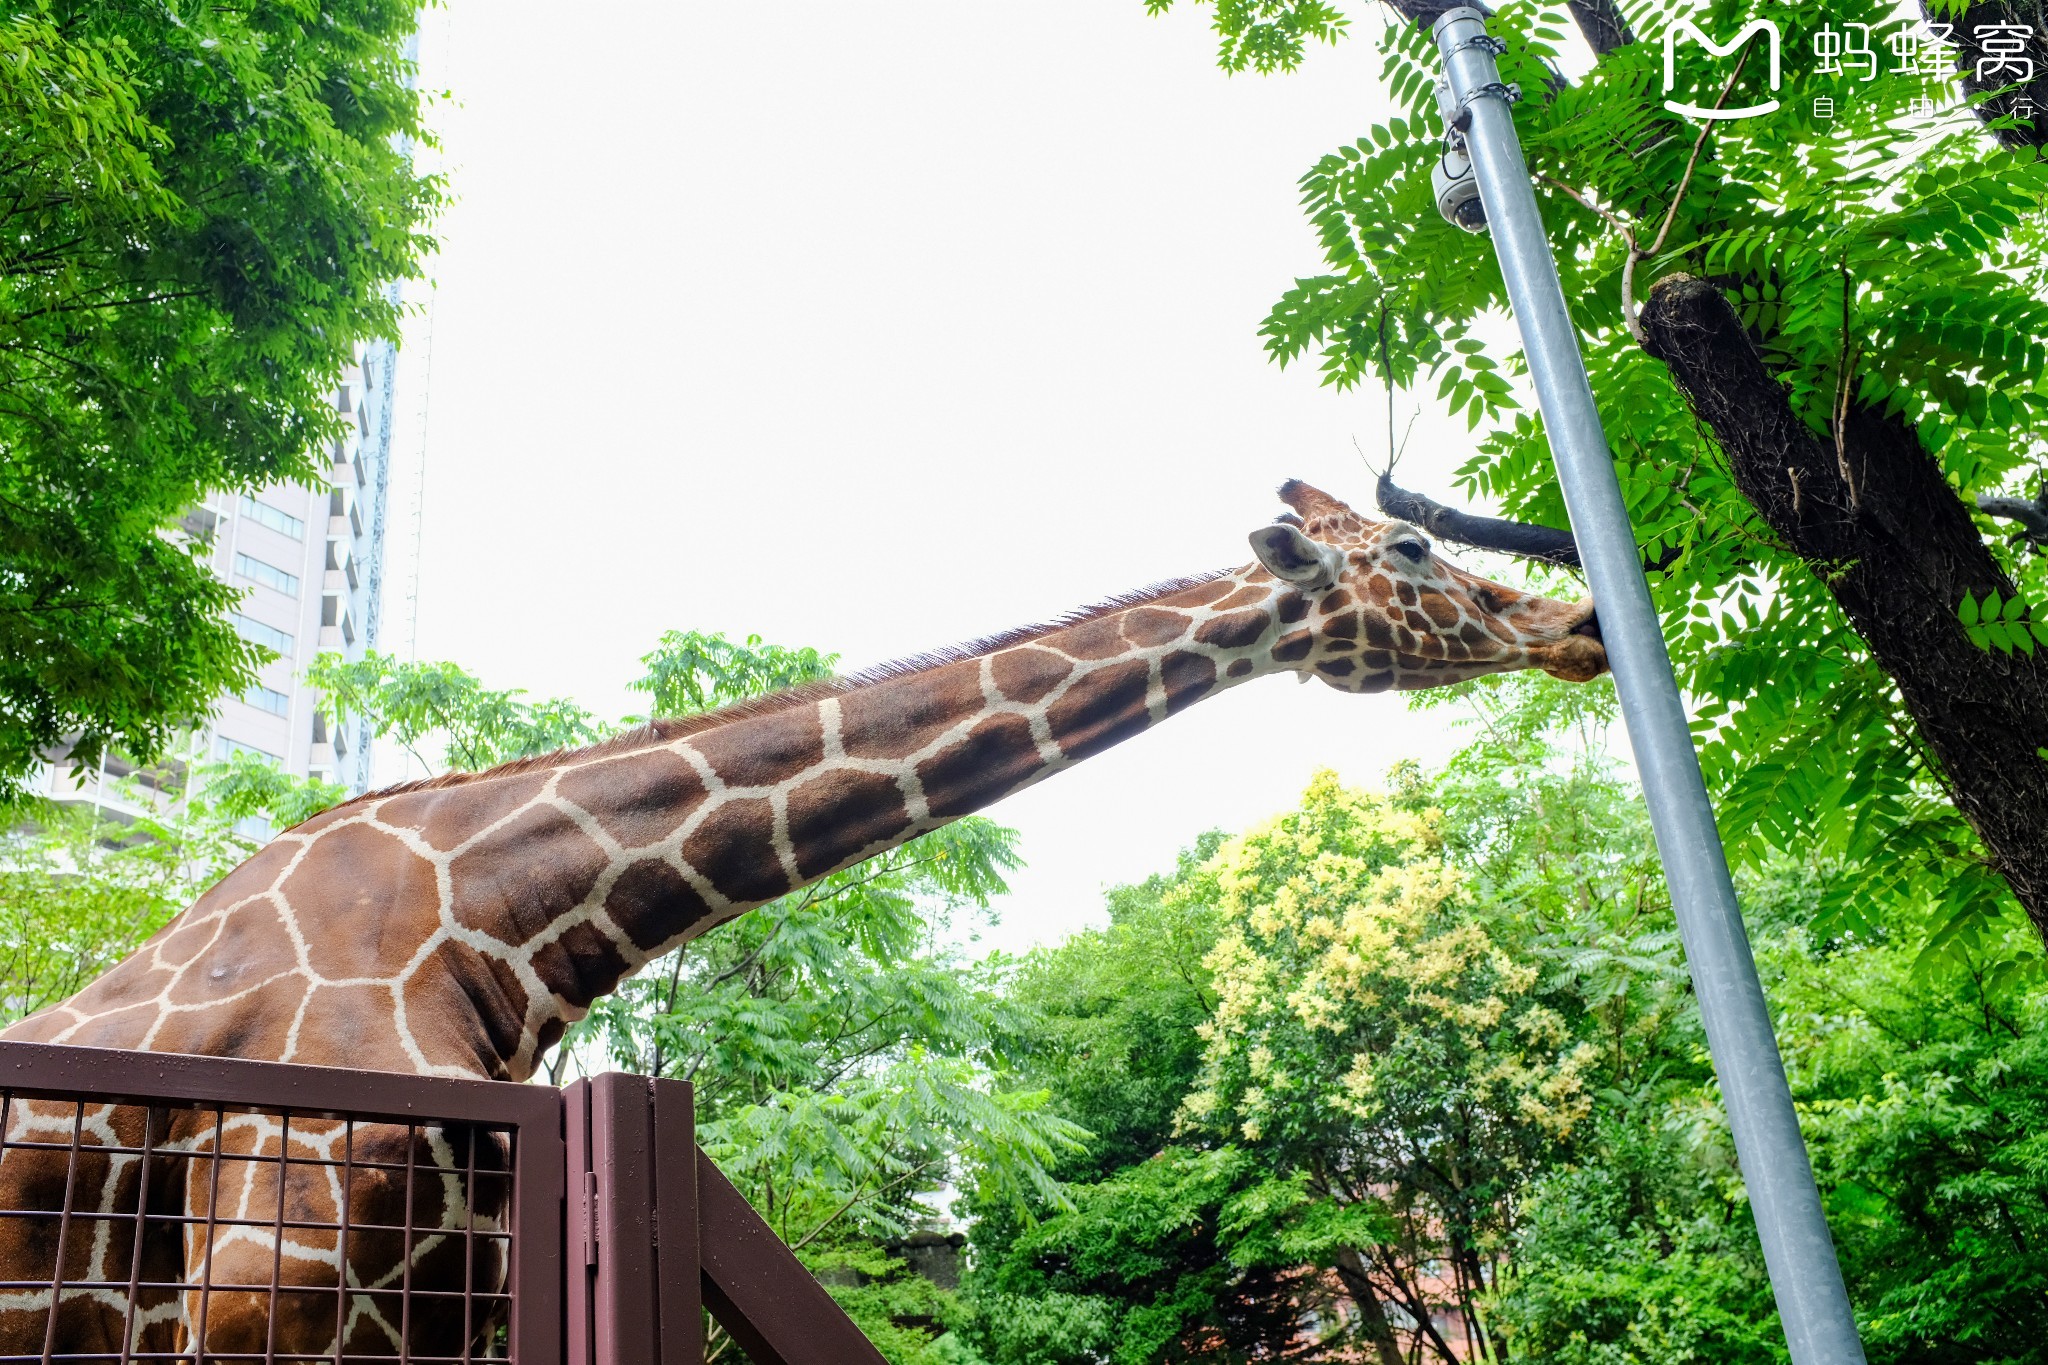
[(1457, 193)]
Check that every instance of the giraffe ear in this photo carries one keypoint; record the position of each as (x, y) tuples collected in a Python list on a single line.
[(1293, 558)]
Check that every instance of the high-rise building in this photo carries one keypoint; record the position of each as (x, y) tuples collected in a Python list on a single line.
[(310, 560), (311, 563)]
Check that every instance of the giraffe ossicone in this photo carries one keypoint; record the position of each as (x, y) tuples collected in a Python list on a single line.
[(457, 926)]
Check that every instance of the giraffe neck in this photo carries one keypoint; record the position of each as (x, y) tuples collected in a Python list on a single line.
[(458, 927), (642, 850)]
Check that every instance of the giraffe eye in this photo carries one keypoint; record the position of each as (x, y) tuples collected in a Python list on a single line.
[(1414, 551)]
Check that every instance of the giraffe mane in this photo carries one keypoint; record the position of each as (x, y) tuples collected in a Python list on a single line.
[(663, 731)]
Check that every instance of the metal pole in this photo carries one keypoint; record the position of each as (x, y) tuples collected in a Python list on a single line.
[(1797, 1248)]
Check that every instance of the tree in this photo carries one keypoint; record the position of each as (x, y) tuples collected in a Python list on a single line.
[(1922, 1083), (1134, 1266), (1386, 1054), (204, 209), (478, 727), (1215, 1203), (1813, 340)]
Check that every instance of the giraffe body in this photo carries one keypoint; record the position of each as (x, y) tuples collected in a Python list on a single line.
[(457, 926)]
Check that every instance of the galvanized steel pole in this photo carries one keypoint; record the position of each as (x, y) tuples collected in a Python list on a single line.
[(1797, 1248)]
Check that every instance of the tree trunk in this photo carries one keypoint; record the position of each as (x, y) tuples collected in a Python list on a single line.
[(1897, 549), (1970, 58), (1351, 1270)]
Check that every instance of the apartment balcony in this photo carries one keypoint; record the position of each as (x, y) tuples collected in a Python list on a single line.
[(120, 789), (342, 574), (199, 522), (337, 622), (344, 511), (330, 741)]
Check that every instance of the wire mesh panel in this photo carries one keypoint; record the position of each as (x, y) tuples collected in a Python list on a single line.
[(170, 1208)]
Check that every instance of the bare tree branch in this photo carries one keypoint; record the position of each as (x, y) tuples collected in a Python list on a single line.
[(1526, 539), (2031, 514), (1602, 25)]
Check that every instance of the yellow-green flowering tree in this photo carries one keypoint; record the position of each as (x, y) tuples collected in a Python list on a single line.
[(1385, 1047)]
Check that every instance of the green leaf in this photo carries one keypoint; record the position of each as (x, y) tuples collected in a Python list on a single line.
[(1968, 610)]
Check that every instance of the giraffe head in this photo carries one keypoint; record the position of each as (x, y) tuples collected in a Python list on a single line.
[(1381, 611)]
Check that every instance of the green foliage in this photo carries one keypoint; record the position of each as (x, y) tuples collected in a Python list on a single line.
[(1924, 1089), (244, 787), (1640, 1253), (79, 890), (1135, 1265), (2003, 626), (1876, 260), (690, 671), (1131, 1273), (478, 726), (204, 208), (70, 907), (1450, 1026), (1112, 1015), (1268, 35)]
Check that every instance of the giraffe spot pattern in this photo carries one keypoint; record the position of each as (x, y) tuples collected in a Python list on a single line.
[(1102, 708), (580, 964), (1000, 751), (733, 848), (448, 899), (1187, 678), (741, 758), (1239, 630), (1027, 674), (637, 803), (1101, 638), (890, 722), (820, 829), (649, 898), (1295, 647), (519, 898), (1149, 626)]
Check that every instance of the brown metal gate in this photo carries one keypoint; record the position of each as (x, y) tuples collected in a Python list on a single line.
[(662, 1230), (292, 1215)]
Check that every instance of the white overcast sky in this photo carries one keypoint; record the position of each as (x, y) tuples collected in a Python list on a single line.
[(877, 326)]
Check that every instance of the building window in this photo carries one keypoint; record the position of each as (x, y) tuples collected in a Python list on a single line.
[(269, 575), (256, 631), (268, 699), (225, 749), (284, 523)]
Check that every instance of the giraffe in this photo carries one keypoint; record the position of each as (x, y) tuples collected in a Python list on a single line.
[(456, 926)]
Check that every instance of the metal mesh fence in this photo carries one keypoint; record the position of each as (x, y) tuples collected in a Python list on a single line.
[(138, 1227)]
